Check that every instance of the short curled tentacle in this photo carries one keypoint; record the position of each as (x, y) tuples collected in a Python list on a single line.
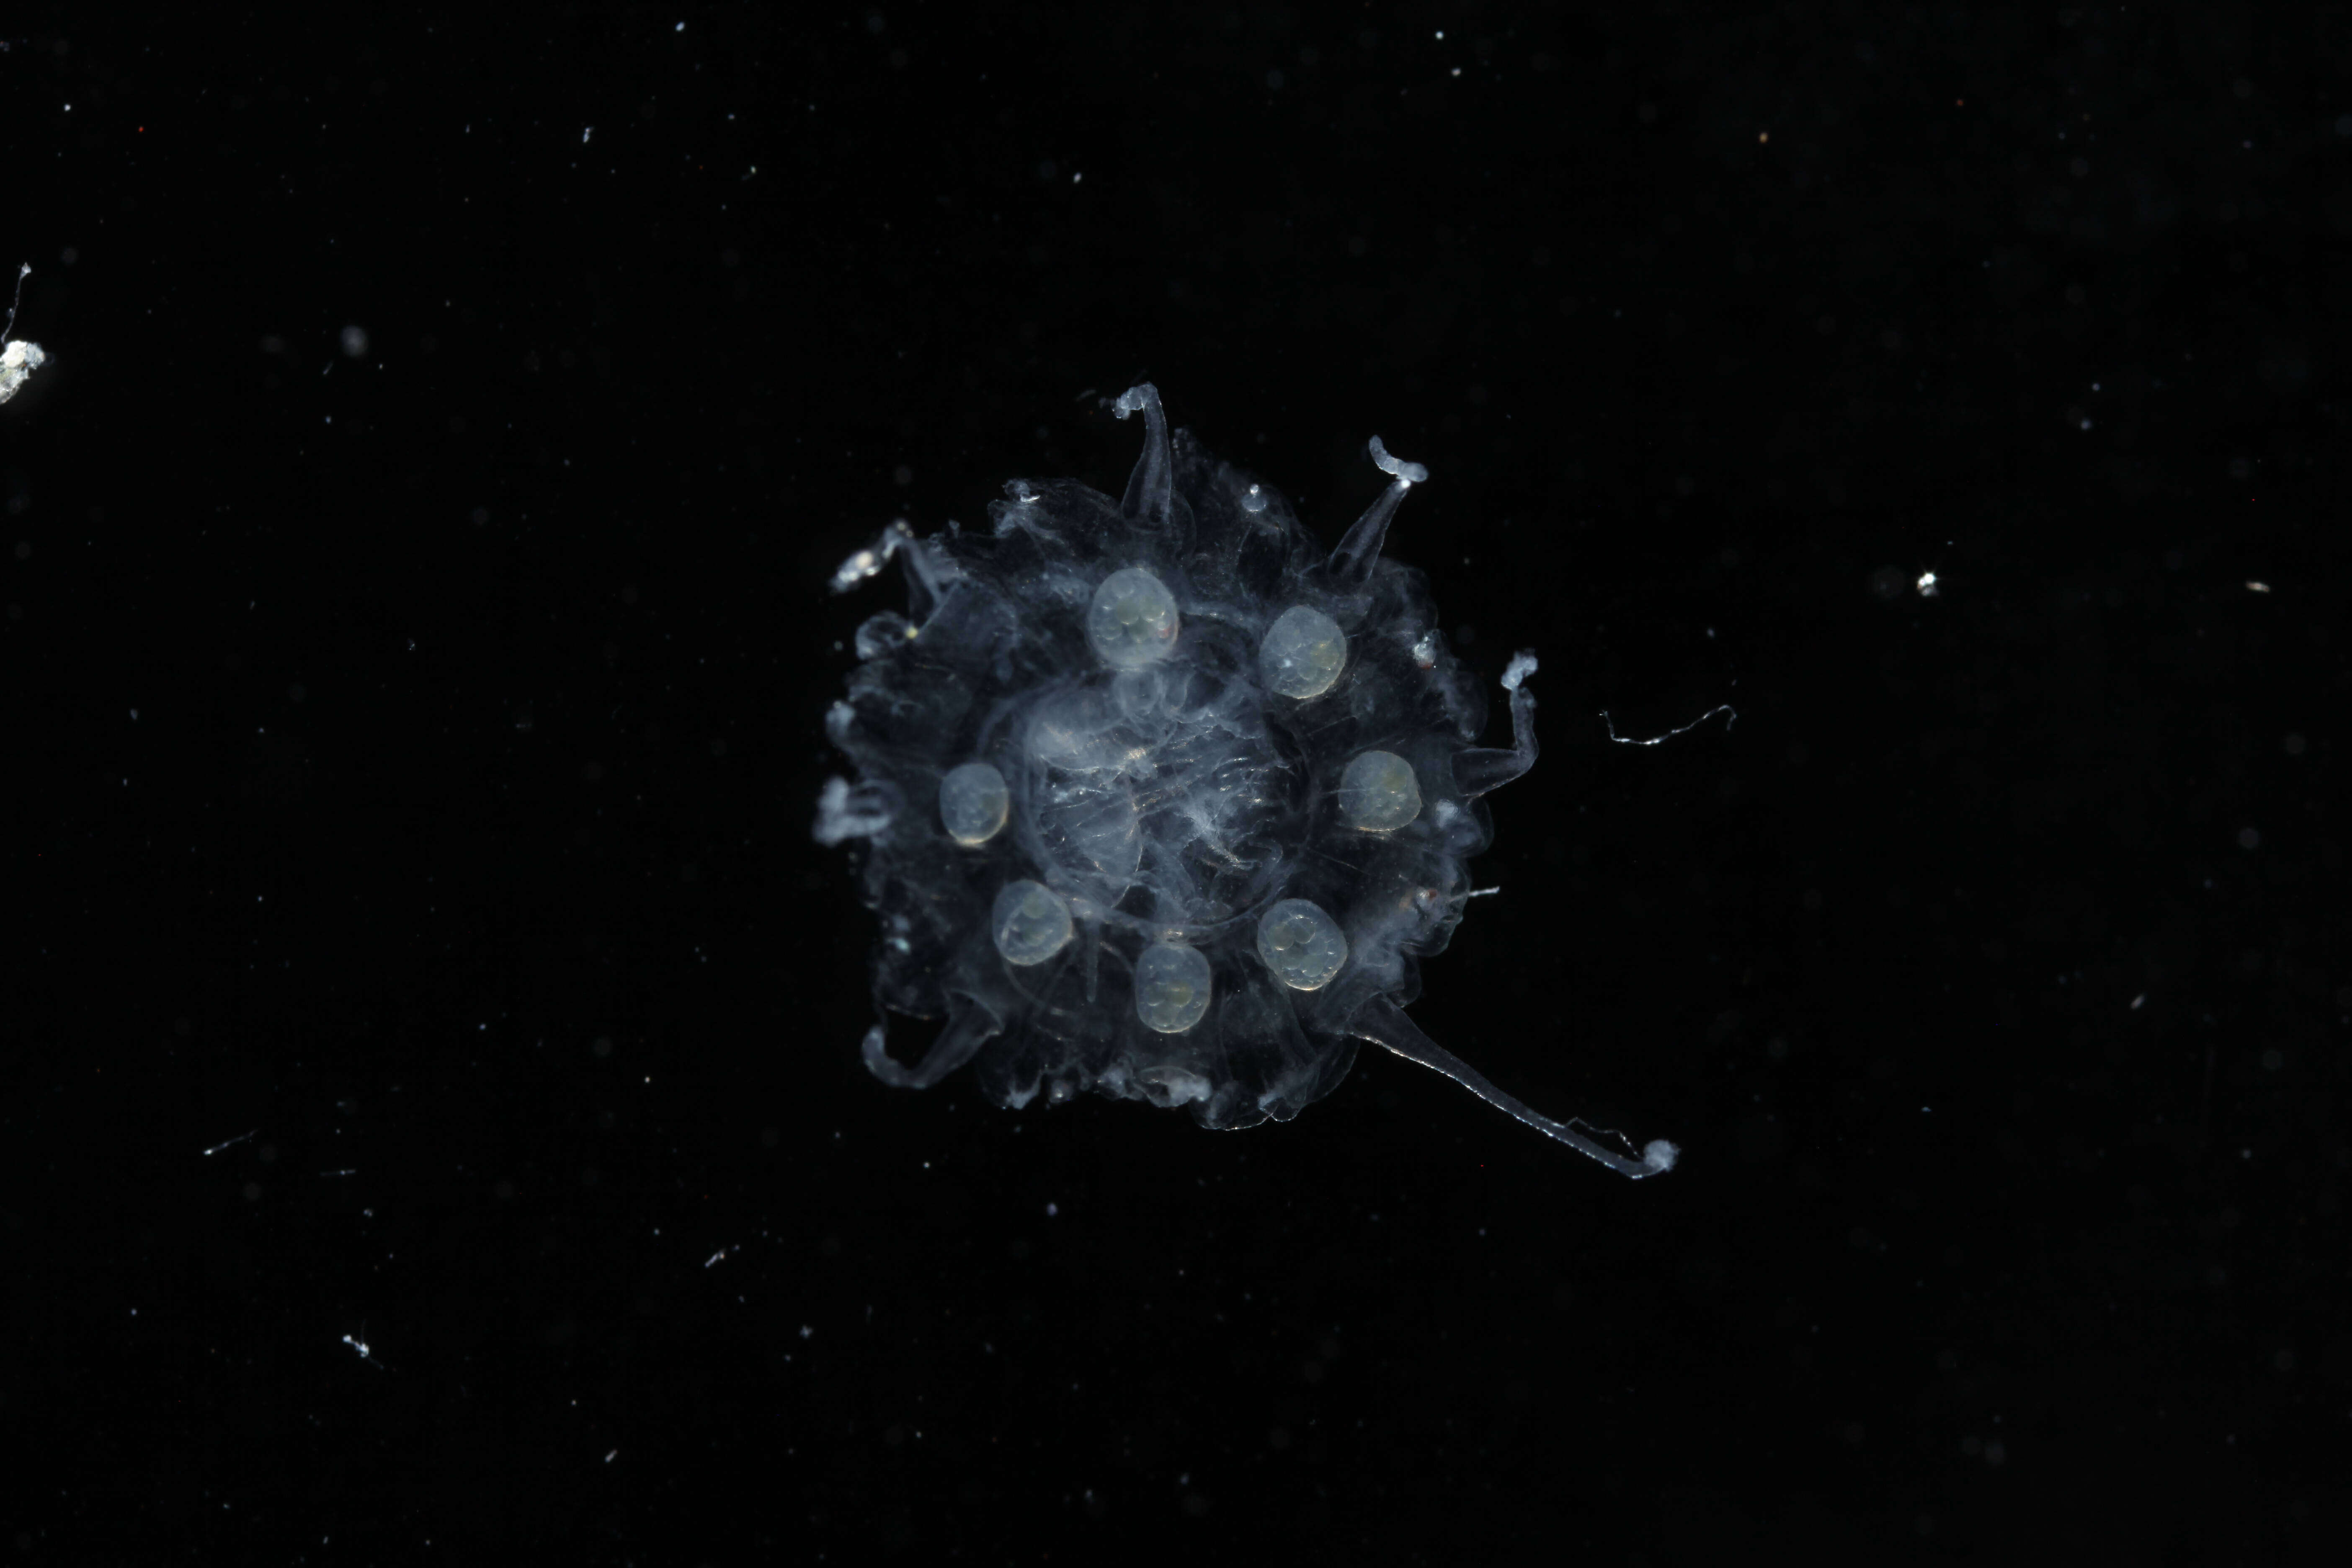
[(1352, 565), (968, 1027)]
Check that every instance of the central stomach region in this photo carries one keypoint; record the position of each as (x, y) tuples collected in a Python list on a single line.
[(1160, 796)]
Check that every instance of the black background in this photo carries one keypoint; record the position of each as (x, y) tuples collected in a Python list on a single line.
[(421, 950)]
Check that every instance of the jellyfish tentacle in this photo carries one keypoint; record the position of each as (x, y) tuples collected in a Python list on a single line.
[(970, 1025), (1352, 565), (1384, 1024), (1151, 488), (1487, 768)]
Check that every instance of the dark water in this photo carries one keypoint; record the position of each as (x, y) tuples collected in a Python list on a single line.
[(434, 1105)]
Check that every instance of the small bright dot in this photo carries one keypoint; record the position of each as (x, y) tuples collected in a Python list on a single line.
[(1763, 136), (2253, 586)]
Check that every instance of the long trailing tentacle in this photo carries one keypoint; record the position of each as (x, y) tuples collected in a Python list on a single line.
[(1383, 1023)]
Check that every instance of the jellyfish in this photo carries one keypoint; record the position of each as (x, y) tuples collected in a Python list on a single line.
[(1156, 799)]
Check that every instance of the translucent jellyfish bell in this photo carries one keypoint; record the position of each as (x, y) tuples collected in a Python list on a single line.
[(1181, 699), (1132, 621), (1303, 653)]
